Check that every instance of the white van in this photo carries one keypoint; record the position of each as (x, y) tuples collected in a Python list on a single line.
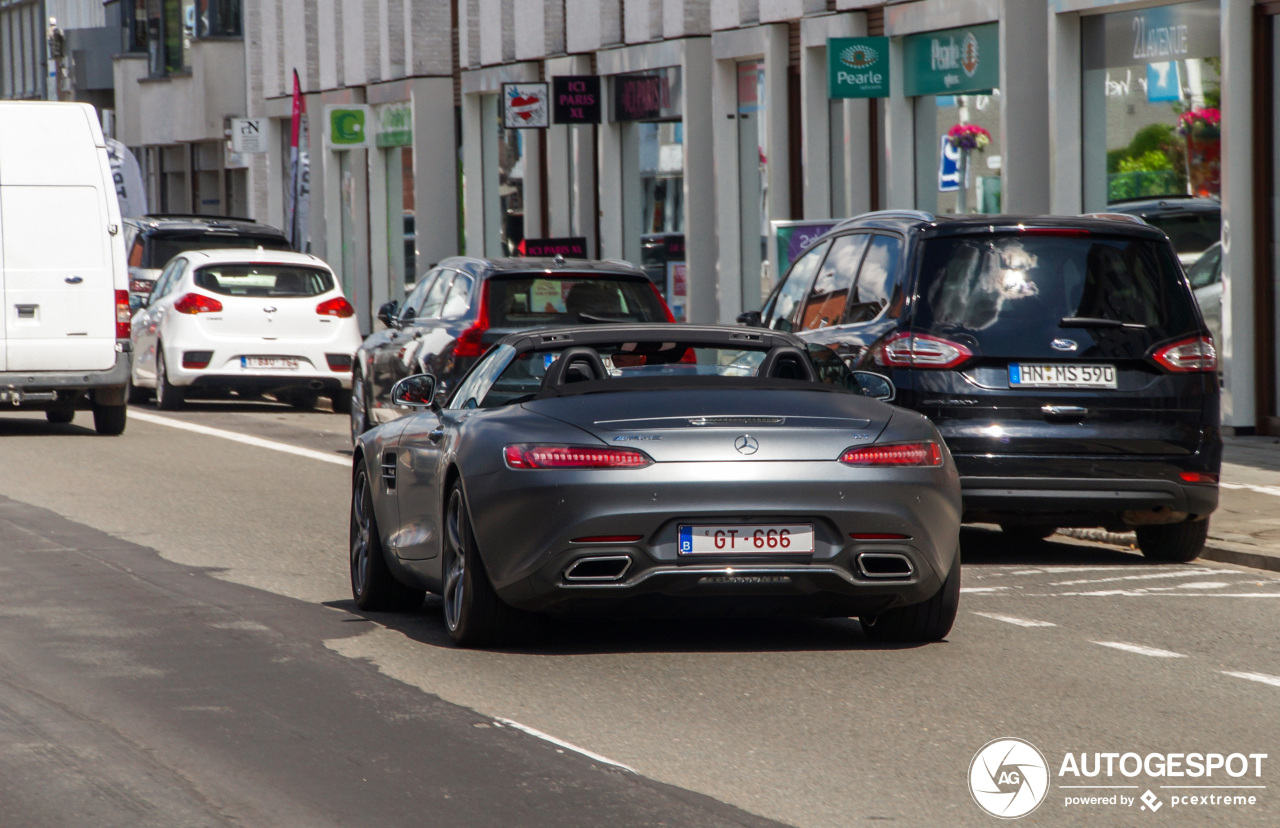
[(64, 333)]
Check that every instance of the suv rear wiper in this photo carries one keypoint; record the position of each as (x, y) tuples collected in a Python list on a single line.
[(1097, 322)]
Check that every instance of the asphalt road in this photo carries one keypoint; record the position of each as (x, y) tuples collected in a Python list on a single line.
[(179, 647)]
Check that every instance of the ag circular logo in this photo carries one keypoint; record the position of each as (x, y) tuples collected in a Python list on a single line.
[(1008, 778)]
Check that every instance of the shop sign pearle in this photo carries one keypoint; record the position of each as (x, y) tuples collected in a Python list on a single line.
[(952, 62), (858, 67)]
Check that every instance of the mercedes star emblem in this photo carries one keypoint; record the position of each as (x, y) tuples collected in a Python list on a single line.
[(746, 444)]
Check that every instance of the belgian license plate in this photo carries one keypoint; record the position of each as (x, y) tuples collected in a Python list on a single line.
[(744, 539), (1061, 375), (286, 363)]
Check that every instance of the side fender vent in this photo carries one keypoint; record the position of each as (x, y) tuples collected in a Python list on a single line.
[(389, 469)]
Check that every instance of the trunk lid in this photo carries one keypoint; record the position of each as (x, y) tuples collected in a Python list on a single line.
[(707, 424)]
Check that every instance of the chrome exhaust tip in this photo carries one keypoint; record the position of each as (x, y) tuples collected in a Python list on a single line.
[(884, 565), (598, 568)]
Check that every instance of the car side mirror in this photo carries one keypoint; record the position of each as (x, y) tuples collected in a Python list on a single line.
[(875, 385), (415, 391), (751, 319), (408, 315), (386, 311)]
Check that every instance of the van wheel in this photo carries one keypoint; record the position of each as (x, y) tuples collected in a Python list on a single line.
[(168, 396), (927, 621), (109, 420), (60, 416), (1173, 542)]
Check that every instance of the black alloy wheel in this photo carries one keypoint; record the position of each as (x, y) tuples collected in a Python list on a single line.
[(921, 623), (373, 586), (473, 613), (168, 397)]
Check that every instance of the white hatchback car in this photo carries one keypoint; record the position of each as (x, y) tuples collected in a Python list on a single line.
[(256, 321)]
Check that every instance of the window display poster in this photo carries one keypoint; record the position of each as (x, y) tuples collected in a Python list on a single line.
[(792, 237), (677, 289)]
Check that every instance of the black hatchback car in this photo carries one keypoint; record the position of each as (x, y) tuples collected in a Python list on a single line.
[(1064, 361), (464, 305)]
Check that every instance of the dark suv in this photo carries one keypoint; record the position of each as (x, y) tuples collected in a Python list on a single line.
[(1063, 359), (155, 239)]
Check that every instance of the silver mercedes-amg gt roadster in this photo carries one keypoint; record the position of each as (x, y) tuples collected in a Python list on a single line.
[(657, 470)]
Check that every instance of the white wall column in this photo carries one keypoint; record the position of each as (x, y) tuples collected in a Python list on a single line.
[(435, 169), (379, 260), (1024, 106), (1066, 150), (817, 112), (900, 137), (701, 249), (1239, 399), (473, 175), (724, 106)]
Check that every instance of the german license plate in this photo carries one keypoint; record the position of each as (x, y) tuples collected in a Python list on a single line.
[(746, 539), (254, 362), (1061, 375)]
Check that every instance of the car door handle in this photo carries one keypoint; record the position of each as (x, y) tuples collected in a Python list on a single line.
[(436, 435), (73, 280)]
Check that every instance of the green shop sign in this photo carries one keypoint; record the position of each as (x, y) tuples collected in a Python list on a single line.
[(858, 67), (951, 62), (347, 127), (395, 125)]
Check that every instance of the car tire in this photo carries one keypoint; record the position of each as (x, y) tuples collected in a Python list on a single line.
[(357, 409), (109, 420), (927, 621), (1028, 533), (373, 586), (169, 397), (340, 402), (60, 416), (473, 613), (1173, 542)]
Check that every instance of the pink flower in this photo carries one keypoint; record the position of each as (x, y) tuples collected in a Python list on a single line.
[(969, 137)]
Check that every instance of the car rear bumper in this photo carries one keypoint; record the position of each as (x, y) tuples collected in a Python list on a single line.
[(40, 390), (534, 568), (1073, 501)]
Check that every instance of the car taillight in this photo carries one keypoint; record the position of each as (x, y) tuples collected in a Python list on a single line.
[(337, 306), (123, 315), (898, 454), (197, 360), (915, 350), (197, 303), (469, 344), (1199, 477), (662, 302), (1194, 354), (338, 362), (528, 456)]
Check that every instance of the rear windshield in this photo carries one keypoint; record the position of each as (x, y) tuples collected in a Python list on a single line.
[(163, 248), (568, 299), (1006, 290), (1190, 232), (263, 280)]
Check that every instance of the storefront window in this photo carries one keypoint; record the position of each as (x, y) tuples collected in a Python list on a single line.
[(1151, 89), (648, 106), (753, 181), (504, 158)]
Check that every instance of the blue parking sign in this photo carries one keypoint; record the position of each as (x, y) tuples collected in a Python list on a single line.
[(949, 168)]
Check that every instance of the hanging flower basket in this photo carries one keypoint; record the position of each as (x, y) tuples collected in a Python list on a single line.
[(1204, 124), (968, 137)]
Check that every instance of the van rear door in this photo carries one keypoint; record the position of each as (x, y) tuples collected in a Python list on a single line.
[(59, 291)]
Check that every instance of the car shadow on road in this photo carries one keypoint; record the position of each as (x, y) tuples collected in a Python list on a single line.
[(984, 546), (35, 425), (590, 635)]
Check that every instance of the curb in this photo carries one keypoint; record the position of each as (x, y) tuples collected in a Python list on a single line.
[(1253, 560)]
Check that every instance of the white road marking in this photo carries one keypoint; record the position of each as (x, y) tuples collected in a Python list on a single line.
[(1274, 491), (561, 743), (1262, 677), (982, 589), (1147, 593), (1021, 622), (1181, 573), (1139, 649), (240, 438), (1203, 585)]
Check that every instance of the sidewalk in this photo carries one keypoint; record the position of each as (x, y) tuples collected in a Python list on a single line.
[(1246, 528)]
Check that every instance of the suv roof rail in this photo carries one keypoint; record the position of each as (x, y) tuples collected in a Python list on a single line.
[(919, 215), (199, 216), (1129, 217)]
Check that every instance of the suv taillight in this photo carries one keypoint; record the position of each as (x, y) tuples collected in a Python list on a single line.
[(122, 314), (527, 456), (197, 303), (898, 454), (1187, 355), (469, 344), (915, 350), (337, 306)]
